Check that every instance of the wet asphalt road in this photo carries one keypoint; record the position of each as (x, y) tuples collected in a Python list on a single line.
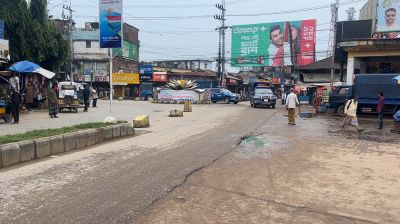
[(115, 186)]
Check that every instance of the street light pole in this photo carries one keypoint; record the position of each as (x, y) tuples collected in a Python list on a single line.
[(335, 10)]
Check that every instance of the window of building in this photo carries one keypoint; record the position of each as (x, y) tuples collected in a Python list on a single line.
[(88, 44)]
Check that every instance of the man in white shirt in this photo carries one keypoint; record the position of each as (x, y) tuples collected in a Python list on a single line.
[(291, 104), (278, 50), (14, 82)]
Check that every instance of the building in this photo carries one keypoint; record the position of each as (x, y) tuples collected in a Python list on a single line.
[(376, 52), (205, 79), (91, 63)]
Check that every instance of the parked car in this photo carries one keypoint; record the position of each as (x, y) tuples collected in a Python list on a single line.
[(223, 95), (263, 96)]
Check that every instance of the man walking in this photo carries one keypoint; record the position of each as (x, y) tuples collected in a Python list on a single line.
[(15, 105), (53, 102), (379, 109), (86, 97), (350, 111), (291, 104)]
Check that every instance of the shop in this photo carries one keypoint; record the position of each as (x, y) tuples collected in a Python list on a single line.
[(125, 84)]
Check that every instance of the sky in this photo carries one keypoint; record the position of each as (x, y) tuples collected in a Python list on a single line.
[(191, 33)]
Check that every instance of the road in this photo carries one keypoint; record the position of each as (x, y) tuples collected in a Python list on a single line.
[(115, 182), (122, 110), (219, 164)]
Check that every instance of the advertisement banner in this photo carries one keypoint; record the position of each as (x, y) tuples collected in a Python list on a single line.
[(273, 44), (145, 69), (4, 50), (146, 78), (125, 78), (388, 19), (128, 50), (1, 29), (160, 77), (178, 95), (110, 23)]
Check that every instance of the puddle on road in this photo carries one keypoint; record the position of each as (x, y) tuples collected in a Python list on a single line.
[(258, 147)]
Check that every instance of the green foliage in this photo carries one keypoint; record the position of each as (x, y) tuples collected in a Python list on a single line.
[(52, 132), (32, 35)]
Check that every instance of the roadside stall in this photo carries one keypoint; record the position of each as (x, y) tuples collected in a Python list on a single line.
[(5, 88), (38, 77)]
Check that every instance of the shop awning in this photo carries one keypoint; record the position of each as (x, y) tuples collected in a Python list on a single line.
[(397, 79), (30, 67)]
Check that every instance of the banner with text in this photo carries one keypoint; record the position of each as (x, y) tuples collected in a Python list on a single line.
[(274, 44), (110, 23), (178, 95), (125, 78)]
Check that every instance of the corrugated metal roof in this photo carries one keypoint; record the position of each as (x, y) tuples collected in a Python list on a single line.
[(85, 35)]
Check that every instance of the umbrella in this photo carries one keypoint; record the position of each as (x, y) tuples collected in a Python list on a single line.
[(30, 67), (397, 79)]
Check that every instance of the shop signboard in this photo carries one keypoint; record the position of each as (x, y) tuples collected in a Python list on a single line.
[(125, 78), (274, 44), (129, 50), (160, 77), (178, 95), (388, 18), (110, 13), (145, 69), (1, 29), (4, 50), (276, 81), (146, 78)]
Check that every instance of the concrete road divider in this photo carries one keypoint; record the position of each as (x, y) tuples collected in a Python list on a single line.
[(14, 153), (43, 147), (99, 136), (116, 131), (141, 121), (27, 149), (81, 140), (57, 145), (11, 154), (90, 137), (124, 129), (69, 141), (107, 133)]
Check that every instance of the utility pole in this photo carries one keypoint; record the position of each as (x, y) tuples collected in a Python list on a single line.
[(221, 51), (70, 29), (335, 11)]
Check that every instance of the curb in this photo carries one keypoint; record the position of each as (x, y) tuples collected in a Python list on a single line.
[(20, 152)]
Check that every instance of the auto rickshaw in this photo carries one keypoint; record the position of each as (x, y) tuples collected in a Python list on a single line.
[(68, 96), (5, 89)]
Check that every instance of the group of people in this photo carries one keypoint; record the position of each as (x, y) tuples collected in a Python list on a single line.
[(291, 101), (350, 111), (17, 100)]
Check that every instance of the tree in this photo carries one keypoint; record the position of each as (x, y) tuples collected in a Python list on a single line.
[(32, 35), (39, 10)]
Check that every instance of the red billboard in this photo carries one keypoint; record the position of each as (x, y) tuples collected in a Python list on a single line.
[(160, 77)]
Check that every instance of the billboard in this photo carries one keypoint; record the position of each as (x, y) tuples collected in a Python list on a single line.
[(178, 95), (160, 77), (110, 23), (388, 16), (145, 69), (128, 50), (274, 44), (125, 78)]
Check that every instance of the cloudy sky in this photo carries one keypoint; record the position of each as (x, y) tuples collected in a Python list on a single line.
[(185, 29)]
